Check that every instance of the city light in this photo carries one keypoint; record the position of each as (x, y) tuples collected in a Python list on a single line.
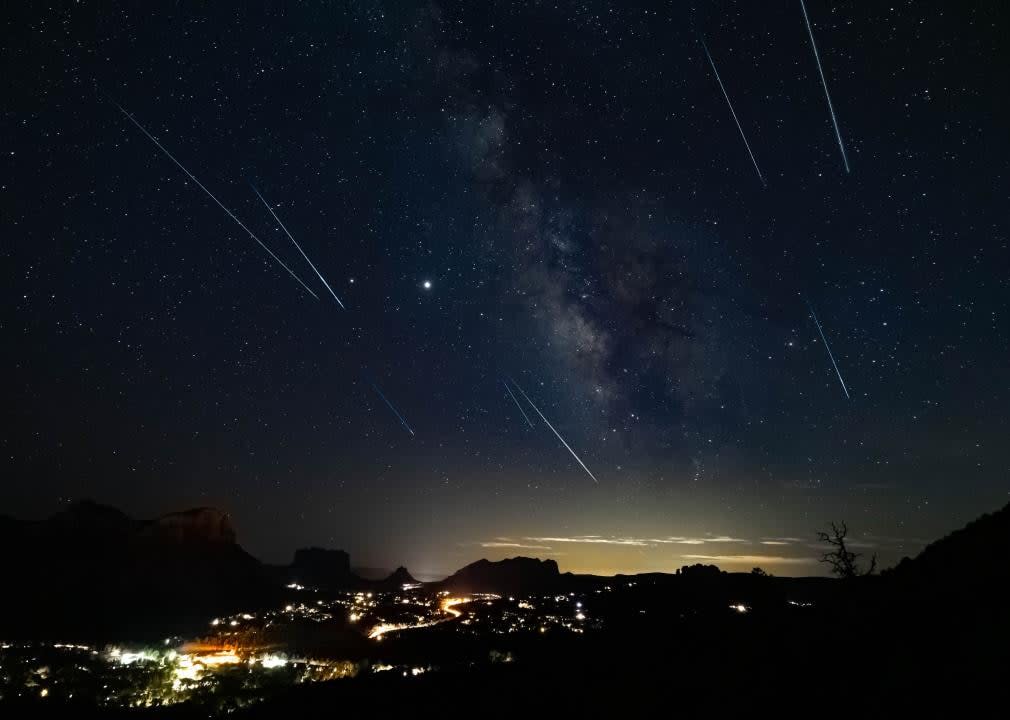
[(225, 657), (175, 669), (273, 661)]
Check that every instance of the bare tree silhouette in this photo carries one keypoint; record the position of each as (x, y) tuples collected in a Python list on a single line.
[(843, 561)]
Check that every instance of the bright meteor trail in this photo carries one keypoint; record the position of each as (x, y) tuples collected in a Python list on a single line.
[(733, 112), (828, 348), (516, 401), (390, 406), (311, 265), (831, 108), (211, 196), (567, 446)]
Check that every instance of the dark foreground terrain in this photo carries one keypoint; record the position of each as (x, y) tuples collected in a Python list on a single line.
[(518, 637)]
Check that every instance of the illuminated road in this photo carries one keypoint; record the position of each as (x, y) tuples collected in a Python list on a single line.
[(448, 606)]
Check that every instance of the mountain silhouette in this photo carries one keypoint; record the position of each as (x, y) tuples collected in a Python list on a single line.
[(966, 558), (512, 575), (92, 568), (397, 579)]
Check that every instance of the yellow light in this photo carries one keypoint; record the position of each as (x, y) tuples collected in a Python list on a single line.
[(186, 669), (379, 630), (449, 603), (225, 657), (446, 606)]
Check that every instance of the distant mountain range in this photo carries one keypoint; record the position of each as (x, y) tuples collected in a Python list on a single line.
[(92, 567)]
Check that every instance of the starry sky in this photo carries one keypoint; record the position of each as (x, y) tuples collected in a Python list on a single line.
[(542, 198)]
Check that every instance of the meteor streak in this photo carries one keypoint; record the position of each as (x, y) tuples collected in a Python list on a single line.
[(311, 265), (567, 446), (390, 406), (828, 348), (831, 108), (733, 112), (211, 196), (516, 401)]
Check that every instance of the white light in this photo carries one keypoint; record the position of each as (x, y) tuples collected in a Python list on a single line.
[(273, 661), (427, 284), (128, 658)]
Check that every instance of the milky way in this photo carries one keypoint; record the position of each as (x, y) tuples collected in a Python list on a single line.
[(552, 192)]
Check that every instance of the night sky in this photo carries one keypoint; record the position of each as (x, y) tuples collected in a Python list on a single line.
[(542, 197)]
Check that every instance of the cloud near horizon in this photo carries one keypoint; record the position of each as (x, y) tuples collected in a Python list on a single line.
[(592, 540), (756, 559), (547, 542), (514, 545), (780, 540)]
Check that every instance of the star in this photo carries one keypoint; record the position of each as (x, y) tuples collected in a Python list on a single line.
[(426, 284)]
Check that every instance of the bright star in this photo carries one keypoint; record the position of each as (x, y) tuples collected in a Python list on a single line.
[(426, 284)]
